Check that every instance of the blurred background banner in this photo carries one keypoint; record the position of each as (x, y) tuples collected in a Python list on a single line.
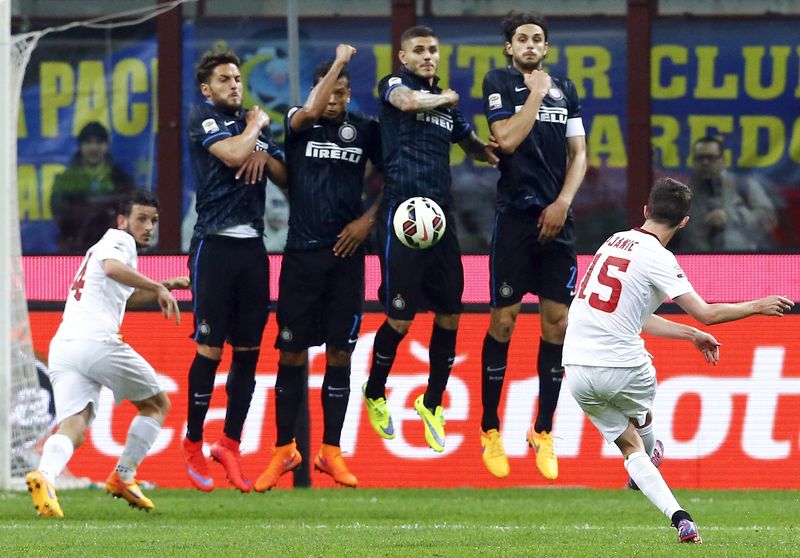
[(75, 78), (709, 77)]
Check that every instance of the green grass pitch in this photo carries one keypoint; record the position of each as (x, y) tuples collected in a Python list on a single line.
[(403, 523)]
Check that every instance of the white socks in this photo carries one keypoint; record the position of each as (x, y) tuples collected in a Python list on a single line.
[(651, 483), (647, 436), (56, 454), (141, 435)]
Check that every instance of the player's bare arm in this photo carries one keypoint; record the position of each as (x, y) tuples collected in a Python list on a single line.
[(705, 342), (126, 275), (478, 150), (409, 100), (354, 233), (260, 164), (141, 297), (718, 313), (552, 218), (511, 132), (235, 150), (315, 104)]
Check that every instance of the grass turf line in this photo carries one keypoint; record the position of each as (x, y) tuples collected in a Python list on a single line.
[(407, 523)]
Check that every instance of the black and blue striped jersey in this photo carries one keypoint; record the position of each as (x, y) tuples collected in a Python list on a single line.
[(223, 201), (416, 145), (325, 166), (534, 174)]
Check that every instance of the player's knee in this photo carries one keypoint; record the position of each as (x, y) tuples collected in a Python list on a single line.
[(502, 329), (447, 321), (163, 405), (213, 353), (400, 326), (554, 329), (293, 359), (337, 357)]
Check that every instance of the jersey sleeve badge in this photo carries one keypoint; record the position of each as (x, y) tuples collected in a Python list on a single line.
[(210, 126), (495, 102)]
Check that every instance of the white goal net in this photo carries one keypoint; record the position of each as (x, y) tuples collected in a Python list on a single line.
[(25, 413)]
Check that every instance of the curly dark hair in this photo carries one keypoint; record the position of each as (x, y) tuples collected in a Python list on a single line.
[(211, 60), (515, 19)]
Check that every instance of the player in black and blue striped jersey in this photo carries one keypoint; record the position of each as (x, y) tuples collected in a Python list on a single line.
[(419, 122), (232, 154), (328, 150), (536, 121)]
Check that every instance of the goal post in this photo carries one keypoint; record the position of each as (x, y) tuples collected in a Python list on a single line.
[(7, 169)]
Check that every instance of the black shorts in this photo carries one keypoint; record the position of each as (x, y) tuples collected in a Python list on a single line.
[(320, 300), (415, 280), (520, 264), (230, 290)]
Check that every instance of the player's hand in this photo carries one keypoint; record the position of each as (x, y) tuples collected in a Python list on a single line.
[(168, 304), (538, 83), (258, 116), (253, 168), (491, 155), (344, 53), (551, 220), (774, 305), (707, 345), (352, 236), (451, 96), (179, 283)]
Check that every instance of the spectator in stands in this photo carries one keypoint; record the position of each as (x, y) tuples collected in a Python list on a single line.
[(729, 213), (85, 195)]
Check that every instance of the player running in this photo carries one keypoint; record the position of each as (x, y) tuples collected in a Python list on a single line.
[(87, 353)]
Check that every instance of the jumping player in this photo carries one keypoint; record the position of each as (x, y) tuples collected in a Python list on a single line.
[(536, 120), (419, 121), (322, 275)]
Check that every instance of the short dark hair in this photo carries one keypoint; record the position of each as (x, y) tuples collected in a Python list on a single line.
[(515, 19), (211, 60), (322, 70), (93, 130), (136, 197), (416, 31), (669, 202), (710, 139)]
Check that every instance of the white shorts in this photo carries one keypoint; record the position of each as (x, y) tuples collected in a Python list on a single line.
[(612, 396), (80, 367)]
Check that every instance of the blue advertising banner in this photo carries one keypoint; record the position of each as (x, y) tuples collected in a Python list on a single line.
[(69, 83), (732, 78)]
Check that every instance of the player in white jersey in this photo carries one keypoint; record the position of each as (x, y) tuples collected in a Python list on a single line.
[(608, 370), (87, 353)]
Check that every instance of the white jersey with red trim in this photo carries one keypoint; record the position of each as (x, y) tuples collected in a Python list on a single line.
[(96, 303), (629, 278)]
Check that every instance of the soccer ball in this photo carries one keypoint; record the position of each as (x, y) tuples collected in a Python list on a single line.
[(419, 222)]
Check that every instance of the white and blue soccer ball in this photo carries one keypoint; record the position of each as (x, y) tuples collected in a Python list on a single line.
[(419, 222)]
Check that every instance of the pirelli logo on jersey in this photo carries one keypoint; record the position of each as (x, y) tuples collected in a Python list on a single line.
[(441, 119), (329, 150), (557, 115)]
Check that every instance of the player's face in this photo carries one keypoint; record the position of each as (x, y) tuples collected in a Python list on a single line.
[(527, 48), (707, 160), (338, 100), (420, 55), (140, 224), (224, 87), (93, 151)]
